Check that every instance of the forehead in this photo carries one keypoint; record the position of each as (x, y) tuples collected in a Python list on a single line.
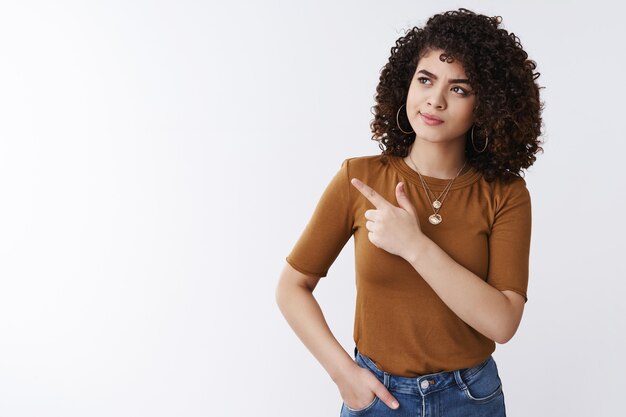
[(434, 62)]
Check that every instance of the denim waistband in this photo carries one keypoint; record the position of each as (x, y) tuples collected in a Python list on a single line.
[(423, 384)]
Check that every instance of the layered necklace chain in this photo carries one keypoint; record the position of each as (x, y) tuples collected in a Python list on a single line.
[(436, 205)]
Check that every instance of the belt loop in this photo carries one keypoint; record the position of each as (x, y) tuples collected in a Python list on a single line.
[(386, 379), (459, 380)]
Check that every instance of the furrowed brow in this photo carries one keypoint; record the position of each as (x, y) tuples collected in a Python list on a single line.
[(453, 81)]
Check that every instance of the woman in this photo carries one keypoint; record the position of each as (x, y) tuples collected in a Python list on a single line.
[(441, 222)]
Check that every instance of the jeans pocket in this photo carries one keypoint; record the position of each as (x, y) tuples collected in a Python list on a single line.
[(364, 409), (482, 383), (368, 365)]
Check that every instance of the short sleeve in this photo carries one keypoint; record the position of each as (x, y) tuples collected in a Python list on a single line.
[(509, 241), (328, 230)]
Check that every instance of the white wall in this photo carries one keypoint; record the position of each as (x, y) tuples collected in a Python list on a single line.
[(158, 160)]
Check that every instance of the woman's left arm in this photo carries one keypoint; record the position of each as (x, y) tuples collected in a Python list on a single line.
[(494, 313), (492, 306)]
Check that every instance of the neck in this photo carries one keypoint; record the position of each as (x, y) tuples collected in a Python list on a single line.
[(438, 160)]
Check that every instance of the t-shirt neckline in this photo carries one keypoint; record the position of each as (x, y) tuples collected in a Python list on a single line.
[(469, 177)]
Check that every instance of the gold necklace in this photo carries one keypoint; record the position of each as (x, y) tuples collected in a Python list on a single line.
[(436, 205)]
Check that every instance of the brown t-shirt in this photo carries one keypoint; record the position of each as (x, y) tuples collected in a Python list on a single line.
[(400, 322)]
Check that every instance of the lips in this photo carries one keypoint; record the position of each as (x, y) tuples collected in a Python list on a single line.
[(430, 119)]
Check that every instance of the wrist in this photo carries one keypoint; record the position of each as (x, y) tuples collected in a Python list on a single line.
[(417, 250), (342, 370)]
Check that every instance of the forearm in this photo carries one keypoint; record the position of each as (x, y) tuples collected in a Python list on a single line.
[(304, 315), (477, 303)]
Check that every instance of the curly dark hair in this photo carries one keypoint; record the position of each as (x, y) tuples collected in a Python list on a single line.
[(508, 108)]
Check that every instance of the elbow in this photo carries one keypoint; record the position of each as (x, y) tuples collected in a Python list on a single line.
[(504, 336), (502, 340), (281, 297), (509, 323), (279, 294), (284, 292)]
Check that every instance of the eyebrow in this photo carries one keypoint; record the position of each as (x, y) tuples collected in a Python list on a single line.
[(453, 81)]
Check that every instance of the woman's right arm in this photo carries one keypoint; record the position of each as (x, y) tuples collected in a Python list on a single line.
[(294, 296)]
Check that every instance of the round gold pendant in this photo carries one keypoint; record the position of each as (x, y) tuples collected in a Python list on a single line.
[(436, 204), (435, 219)]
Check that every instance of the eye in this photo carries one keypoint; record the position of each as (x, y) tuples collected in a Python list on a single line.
[(461, 91), (422, 79)]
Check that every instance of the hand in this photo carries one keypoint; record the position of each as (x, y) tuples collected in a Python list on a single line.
[(391, 228), (359, 387)]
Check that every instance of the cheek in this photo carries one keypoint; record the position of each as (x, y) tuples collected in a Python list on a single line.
[(466, 113), (413, 102), (410, 98)]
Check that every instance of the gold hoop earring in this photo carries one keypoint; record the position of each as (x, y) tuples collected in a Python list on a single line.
[(398, 122), (474, 145)]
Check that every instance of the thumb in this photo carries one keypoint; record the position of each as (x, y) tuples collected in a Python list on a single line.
[(403, 199), (386, 397)]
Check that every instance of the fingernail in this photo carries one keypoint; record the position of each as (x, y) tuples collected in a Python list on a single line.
[(395, 404)]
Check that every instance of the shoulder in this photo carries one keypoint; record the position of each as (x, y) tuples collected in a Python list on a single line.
[(513, 187), (510, 193), (366, 163)]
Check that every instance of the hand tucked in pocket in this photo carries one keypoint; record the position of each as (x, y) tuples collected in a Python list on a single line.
[(359, 387)]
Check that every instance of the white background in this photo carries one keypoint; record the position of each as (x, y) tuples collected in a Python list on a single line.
[(159, 159)]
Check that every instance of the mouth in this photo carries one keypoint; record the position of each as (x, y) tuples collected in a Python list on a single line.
[(430, 119)]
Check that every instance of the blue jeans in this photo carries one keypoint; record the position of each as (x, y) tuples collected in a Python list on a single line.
[(468, 392)]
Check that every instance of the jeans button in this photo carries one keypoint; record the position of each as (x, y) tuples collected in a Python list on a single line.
[(424, 384)]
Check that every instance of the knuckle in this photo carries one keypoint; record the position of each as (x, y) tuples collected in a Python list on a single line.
[(387, 398), (382, 392)]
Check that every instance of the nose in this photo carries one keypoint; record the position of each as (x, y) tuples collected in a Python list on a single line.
[(436, 99)]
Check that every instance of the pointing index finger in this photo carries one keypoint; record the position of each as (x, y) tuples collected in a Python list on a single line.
[(376, 199)]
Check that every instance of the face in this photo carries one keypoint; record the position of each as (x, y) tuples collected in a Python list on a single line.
[(440, 101)]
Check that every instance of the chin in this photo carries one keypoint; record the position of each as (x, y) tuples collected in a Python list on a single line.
[(432, 138), (438, 138)]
